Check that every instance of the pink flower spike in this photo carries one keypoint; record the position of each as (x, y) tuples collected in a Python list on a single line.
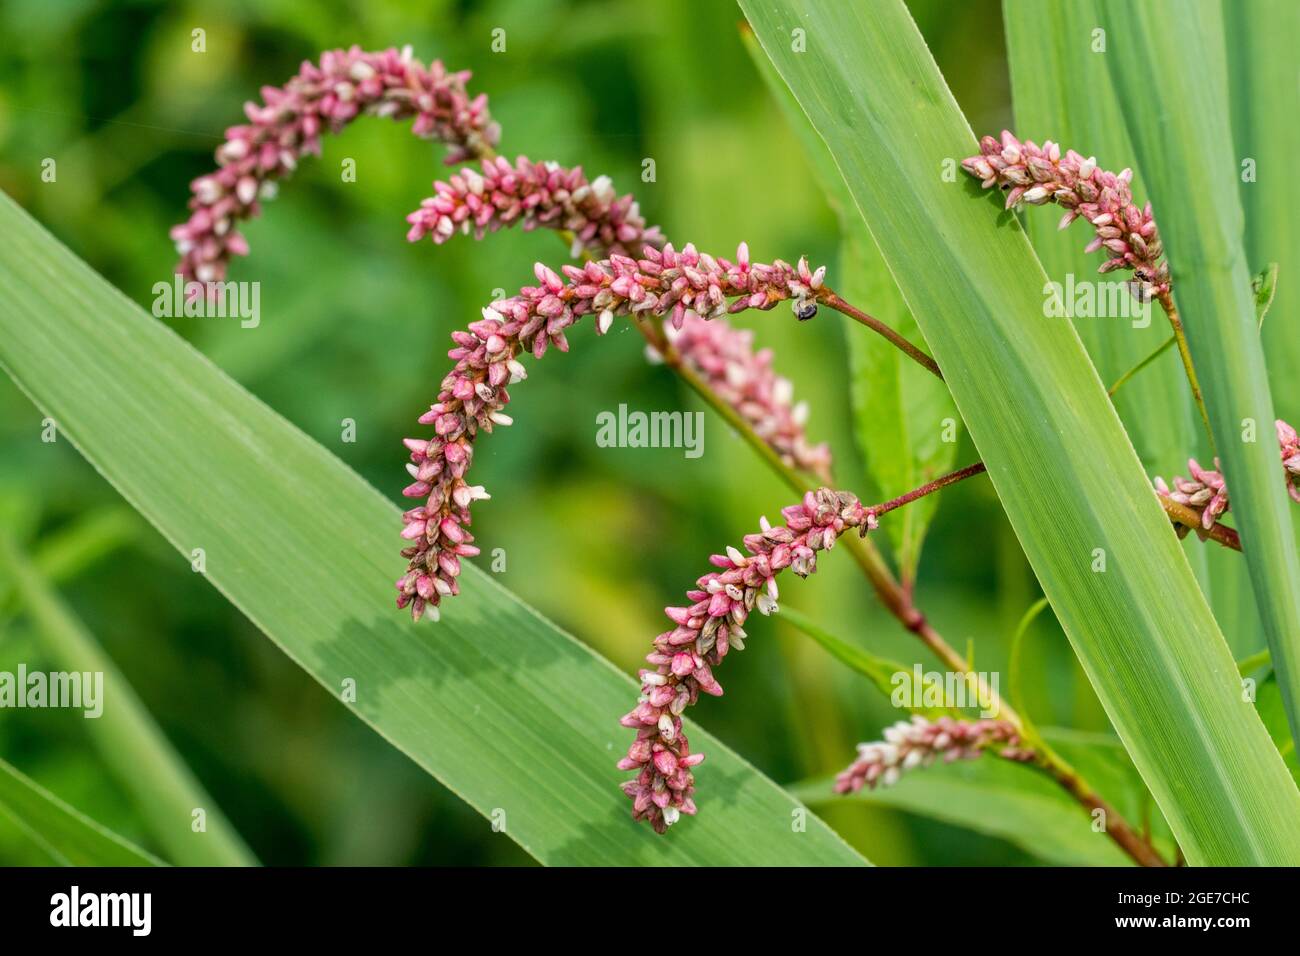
[(745, 379), (1035, 175), (1206, 491), (323, 97), (706, 631), (920, 742)]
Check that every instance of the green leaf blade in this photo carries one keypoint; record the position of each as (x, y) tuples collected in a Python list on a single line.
[(514, 715), (69, 836), (1058, 457), (131, 743)]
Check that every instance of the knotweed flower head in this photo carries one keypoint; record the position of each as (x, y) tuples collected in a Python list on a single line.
[(724, 356), (531, 195), (665, 283), (287, 124), (705, 631), (1207, 492), (1036, 175), (920, 742)]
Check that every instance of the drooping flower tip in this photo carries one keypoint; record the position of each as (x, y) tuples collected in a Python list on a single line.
[(919, 742), (288, 123), (705, 631), (1035, 175), (745, 379)]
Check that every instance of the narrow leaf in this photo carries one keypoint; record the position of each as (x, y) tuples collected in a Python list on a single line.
[(70, 837), (1264, 99), (1066, 473), (508, 711), (146, 765)]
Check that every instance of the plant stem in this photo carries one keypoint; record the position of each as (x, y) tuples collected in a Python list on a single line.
[(1159, 351), (1253, 662), (930, 487), (1117, 828), (1182, 514), (1191, 518), (1167, 303), (916, 354)]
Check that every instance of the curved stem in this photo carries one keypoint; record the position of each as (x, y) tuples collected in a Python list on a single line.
[(1116, 827), (1159, 351), (915, 353), (930, 487)]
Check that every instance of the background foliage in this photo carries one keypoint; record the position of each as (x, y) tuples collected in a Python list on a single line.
[(355, 323)]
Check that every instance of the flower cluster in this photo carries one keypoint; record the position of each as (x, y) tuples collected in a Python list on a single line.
[(744, 378), (1207, 492), (289, 122), (919, 742), (705, 631), (473, 396), (532, 195), (1036, 174)]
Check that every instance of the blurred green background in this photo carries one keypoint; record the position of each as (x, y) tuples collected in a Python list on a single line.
[(355, 325)]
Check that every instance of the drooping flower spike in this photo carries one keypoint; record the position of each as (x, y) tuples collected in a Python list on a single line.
[(534, 195), (1207, 492), (1036, 175), (288, 123), (920, 742), (705, 631), (664, 283)]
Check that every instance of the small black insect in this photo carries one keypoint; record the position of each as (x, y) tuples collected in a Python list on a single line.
[(805, 311)]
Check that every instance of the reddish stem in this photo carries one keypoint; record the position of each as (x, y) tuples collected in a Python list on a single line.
[(916, 354), (930, 487)]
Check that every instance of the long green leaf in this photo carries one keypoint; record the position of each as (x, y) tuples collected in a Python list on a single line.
[(1058, 457), (163, 788), (67, 835), (996, 798), (1167, 61), (1264, 101), (508, 711)]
